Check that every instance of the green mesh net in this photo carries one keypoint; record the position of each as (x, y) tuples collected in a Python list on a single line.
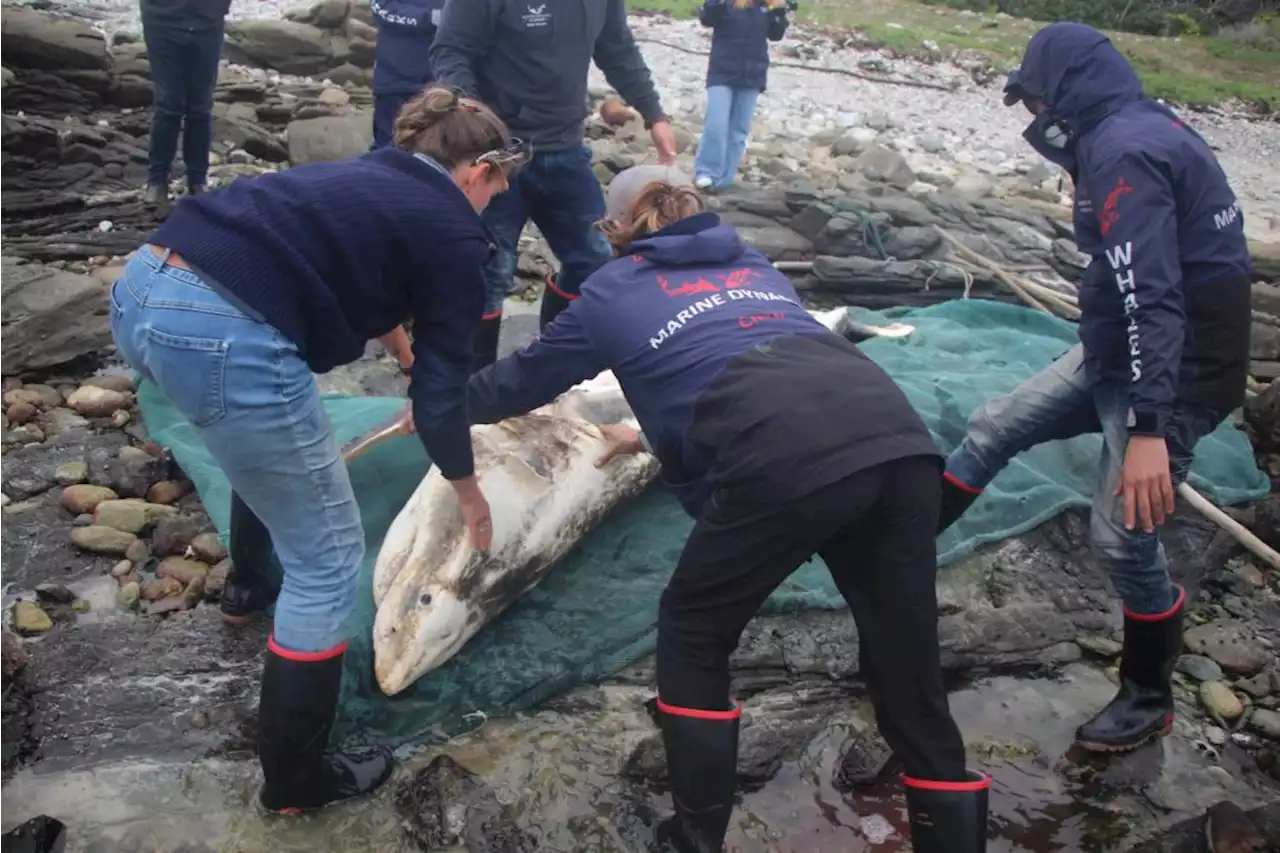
[(596, 612)]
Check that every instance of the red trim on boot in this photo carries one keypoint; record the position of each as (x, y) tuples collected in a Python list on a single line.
[(1159, 617), (495, 315), (698, 714), (551, 283), (978, 781), (962, 486), (304, 657)]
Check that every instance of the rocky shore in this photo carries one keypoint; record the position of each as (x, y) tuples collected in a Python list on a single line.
[(113, 649)]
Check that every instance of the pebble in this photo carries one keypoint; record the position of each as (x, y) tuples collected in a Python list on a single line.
[(97, 539), (131, 515), (166, 492), (123, 384), (121, 568), (1230, 644), (82, 498), (1200, 668), (121, 418), (161, 588), (40, 396), (1252, 575), (1259, 685), (71, 473), (54, 594), (216, 580), (1218, 699), (129, 595), (13, 657), (138, 552), (1265, 722), (1102, 646), (1215, 735), (181, 569), (21, 412), (29, 618), (94, 402), (208, 547)]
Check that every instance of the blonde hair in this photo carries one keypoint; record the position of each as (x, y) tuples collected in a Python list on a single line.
[(449, 128), (658, 205)]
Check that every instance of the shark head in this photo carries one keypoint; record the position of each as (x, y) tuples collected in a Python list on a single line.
[(431, 624)]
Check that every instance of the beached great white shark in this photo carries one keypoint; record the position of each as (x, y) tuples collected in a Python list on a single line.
[(434, 592)]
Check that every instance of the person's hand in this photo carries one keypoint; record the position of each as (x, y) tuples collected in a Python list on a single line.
[(1146, 483), (475, 512), (619, 441), (665, 141), (406, 422), (774, 4)]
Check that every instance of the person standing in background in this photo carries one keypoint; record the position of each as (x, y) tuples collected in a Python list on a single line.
[(184, 44), (529, 63), (402, 63), (736, 75)]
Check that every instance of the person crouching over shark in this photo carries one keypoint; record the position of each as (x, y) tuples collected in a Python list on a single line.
[(231, 307), (1164, 342), (783, 441)]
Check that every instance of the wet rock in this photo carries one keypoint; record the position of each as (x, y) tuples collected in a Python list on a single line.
[(865, 760), (123, 384), (160, 588), (216, 580), (94, 402), (21, 412), (42, 834), (1265, 722), (120, 419), (1101, 646), (1200, 668), (71, 473), (329, 138), (446, 805), (138, 552), (133, 471), (292, 47), (49, 317), (208, 547), (131, 515), (97, 539), (174, 533), (30, 619), (884, 164), (1219, 701), (1230, 644), (13, 657), (1260, 685), (129, 595), (122, 568), (52, 593), (181, 569), (166, 492)]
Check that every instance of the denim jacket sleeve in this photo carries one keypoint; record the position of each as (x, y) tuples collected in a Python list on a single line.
[(561, 357)]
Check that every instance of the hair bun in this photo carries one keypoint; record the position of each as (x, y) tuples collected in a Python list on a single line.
[(439, 100)]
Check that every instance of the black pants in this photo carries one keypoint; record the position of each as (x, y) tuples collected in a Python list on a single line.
[(875, 530)]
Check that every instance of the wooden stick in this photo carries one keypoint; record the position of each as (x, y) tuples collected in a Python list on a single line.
[(1241, 533)]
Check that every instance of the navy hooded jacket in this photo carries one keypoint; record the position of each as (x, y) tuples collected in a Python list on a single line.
[(1165, 301), (735, 385), (406, 28), (739, 43)]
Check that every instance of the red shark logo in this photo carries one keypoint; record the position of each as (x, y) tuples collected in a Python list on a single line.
[(686, 288), (737, 278), (1110, 215)]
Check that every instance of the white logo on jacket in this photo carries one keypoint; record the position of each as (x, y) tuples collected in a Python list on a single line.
[(536, 17)]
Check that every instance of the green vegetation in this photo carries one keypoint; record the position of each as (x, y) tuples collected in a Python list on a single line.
[(1238, 61)]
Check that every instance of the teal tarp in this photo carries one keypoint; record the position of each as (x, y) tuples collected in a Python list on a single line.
[(595, 613)]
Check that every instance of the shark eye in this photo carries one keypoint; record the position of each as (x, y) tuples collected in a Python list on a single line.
[(425, 600)]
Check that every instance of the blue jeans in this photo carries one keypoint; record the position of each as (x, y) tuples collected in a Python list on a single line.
[(724, 134), (385, 110), (560, 193), (254, 403), (1061, 402), (184, 72)]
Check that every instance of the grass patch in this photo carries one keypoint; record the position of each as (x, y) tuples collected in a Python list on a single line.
[(1190, 70)]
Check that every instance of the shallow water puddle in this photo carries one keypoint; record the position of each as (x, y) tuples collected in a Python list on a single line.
[(560, 774)]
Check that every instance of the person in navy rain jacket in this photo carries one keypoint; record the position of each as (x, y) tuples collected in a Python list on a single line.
[(402, 62), (782, 440), (1164, 341), (736, 74)]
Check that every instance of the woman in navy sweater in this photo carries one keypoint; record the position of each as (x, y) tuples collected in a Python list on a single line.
[(240, 296), (736, 75)]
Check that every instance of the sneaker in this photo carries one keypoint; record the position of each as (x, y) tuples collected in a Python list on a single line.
[(703, 183)]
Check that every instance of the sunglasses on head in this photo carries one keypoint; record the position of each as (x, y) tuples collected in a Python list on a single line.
[(509, 159)]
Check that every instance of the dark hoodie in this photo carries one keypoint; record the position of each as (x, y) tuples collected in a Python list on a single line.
[(1165, 302), (735, 385), (406, 28)]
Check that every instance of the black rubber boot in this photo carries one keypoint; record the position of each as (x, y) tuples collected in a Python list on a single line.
[(702, 762), (948, 817), (295, 717), (956, 500), (248, 590), (553, 302), (1143, 708), (156, 195), (484, 344)]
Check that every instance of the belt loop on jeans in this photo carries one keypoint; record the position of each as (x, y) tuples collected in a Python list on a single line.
[(164, 257)]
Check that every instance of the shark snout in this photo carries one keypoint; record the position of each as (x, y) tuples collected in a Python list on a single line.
[(428, 634)]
